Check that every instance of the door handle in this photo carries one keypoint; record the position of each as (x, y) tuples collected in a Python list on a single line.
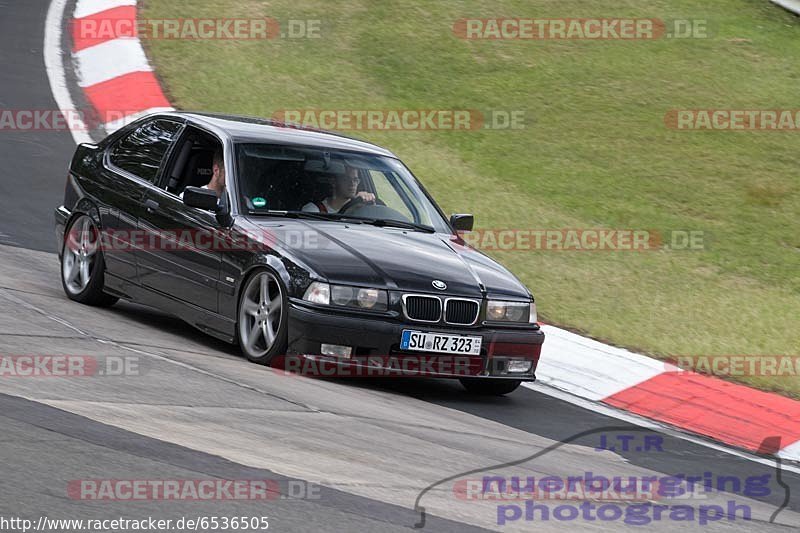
[(150, 205)]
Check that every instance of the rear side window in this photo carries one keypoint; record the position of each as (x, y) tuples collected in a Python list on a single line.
[(142, 151)]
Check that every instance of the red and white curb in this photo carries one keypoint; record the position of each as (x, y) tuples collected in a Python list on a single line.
[(113, 73), (116, 78), (727, 412)]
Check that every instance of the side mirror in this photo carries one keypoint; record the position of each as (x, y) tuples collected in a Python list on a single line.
[(207, 200), (224, 211), (462, 222), (200, 198)]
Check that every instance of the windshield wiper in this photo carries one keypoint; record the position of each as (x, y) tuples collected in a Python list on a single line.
[(307, 215), (393, 223)]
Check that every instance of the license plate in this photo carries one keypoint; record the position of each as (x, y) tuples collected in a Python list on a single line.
[(421, 341)]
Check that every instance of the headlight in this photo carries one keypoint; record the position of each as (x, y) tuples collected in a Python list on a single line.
[(369, 298), (520, 312), (344, 296), (341, 295)]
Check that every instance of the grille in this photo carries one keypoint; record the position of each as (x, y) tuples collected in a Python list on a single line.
[(424, 308), (464, 312)]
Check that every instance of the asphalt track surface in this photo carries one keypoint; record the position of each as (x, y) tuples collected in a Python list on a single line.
[(356, 455)]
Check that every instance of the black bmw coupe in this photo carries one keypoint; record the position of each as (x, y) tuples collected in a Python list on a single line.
[(296, 244)]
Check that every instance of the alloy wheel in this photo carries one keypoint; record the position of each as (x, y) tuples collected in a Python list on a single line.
[(80, 255), (260, 314)]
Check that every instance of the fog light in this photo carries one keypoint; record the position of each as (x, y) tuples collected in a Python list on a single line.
[(336, 350), (519, 366)]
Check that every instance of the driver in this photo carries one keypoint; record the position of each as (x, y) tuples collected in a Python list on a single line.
[(217, 182), (344, 189)]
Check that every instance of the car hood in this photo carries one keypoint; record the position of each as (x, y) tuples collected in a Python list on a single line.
[(397, 259)]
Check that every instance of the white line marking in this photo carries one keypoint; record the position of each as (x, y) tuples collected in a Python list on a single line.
[(650, 424), (84, 8), (791, 452), (54, 64), (110, 60)]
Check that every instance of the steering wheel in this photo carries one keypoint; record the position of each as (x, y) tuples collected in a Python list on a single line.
[(353, 202), (357, 201)]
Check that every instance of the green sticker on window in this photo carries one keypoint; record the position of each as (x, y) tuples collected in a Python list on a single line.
[(259, 202)]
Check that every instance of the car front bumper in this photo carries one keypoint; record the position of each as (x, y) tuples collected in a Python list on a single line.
[(375, 343)]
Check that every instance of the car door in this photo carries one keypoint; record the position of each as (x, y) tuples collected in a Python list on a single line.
[(185, 263), (131, 166)]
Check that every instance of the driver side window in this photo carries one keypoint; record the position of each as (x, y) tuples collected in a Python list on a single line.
[(191, 164)]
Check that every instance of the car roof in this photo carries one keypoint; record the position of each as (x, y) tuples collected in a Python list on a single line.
[(253, 129)]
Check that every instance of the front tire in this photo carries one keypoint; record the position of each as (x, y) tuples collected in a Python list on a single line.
[(490, 387), (263, 317), (82, 265)]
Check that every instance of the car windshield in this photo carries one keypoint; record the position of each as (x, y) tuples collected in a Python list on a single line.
[(336, 185)]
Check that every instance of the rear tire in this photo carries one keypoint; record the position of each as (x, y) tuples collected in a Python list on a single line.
[(490, 387), (262, 324), (82, 265)]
